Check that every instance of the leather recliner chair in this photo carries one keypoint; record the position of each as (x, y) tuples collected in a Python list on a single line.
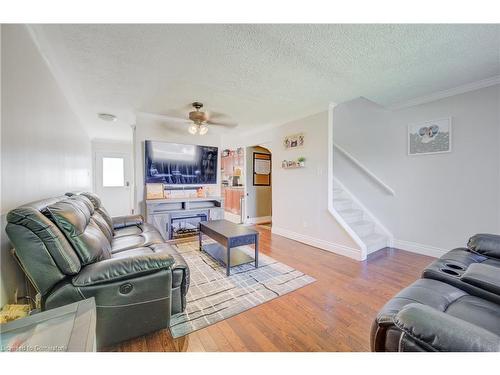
[(454, 307), (71, 251), (475, 269), (129, 232)]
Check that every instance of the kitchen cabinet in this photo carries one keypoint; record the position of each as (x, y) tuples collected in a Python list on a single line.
[(233, 160), (228, 165), (232, 199)]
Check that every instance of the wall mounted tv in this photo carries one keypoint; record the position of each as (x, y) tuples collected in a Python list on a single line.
[(180, 164)]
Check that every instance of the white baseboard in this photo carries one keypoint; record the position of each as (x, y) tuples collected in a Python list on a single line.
[(316, 242), (419, 248), (258, 220)]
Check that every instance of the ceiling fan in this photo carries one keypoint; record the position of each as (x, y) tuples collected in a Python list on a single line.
[(198, 120)]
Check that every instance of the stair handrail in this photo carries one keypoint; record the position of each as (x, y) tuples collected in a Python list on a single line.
[(331, 209), (365, 169)]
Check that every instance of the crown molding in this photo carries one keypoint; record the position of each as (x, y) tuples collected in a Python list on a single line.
[(495, 80)]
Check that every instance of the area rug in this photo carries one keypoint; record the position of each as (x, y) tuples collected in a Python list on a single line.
[(213, 296)]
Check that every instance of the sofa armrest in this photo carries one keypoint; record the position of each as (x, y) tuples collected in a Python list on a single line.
[(485, 244), (437, 331), (127, 221), (116, 269), (483, 276)]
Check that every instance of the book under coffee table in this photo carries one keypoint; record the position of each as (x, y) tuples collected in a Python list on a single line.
[(228, 237)]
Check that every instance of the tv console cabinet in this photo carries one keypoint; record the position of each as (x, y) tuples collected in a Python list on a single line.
[(178, 217)]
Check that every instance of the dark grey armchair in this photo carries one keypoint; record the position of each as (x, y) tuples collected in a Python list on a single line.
[(454, 307)]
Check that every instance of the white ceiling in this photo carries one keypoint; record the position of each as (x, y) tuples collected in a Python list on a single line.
[(259, 75)]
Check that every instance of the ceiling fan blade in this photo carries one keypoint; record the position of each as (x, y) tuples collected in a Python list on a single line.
[(215, 114), (224, 124), (165, 117), (218, 116)]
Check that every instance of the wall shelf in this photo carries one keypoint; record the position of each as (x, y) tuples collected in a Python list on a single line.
[(295, 167)]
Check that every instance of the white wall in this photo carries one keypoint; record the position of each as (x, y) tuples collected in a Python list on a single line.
[(441, 200), (300, 196), (45, 151), (150, 129)]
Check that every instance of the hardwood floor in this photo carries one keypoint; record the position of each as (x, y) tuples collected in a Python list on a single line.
[(333, 314)]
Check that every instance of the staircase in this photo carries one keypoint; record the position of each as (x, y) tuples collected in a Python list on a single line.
[(363, 227), (360, 220)]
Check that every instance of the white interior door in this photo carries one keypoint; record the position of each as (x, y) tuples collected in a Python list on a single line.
[(112, 181)]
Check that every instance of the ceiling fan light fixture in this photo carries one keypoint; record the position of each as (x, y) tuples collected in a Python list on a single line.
[(203, 129), (193, 129)]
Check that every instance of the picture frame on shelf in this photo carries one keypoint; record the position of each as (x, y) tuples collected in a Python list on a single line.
[(291, 164)]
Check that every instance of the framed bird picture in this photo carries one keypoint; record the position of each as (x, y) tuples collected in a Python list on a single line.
[(430, 137)]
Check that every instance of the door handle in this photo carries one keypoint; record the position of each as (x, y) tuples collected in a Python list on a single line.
[(127, 184)]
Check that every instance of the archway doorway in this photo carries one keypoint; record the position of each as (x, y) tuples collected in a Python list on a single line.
[(258, 192)]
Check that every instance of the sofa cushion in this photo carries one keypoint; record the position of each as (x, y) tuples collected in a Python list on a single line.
[(133, 252), (129, 242), (127, 221), (438, 296), (483, 276), (429, 292), (117, 269), (429, 329), (134, 230), (485, 244), (99, 208), (386, 336), (103, 226), (31, 217), (85, 201), (451, 267), (477, 311), (128, 231), (180, 269), (96, 216), (73, 217)]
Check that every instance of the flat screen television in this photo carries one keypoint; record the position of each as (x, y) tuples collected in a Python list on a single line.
[(180, 164)]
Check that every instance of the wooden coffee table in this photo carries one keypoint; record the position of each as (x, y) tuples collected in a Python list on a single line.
[(229, 235)]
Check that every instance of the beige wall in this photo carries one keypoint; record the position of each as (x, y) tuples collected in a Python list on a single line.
[(45, 152)]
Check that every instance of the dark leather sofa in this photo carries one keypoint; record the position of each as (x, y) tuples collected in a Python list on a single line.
[(71, 249), (454, 307)]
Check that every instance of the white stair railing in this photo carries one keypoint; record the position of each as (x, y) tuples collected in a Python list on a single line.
[(365, 169), (333, 211)]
